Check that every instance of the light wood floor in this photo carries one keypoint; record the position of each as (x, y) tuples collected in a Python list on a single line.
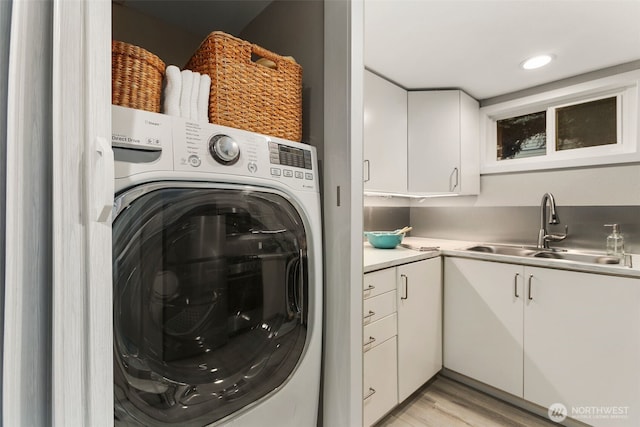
[(447, 403)]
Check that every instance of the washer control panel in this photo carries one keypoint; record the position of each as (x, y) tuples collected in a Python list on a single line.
[(206, 147), (153, 142)]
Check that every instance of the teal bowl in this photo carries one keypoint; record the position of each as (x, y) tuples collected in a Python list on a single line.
[(383, 239)]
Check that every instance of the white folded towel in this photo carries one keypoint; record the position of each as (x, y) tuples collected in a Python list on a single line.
[(203, 98), (172, 89), (195, 89), (185, 95)]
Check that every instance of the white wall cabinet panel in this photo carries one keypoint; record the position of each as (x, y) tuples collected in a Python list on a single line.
[(443, 142), (385, 135), (483, 321), (582, 342), (419, 324)]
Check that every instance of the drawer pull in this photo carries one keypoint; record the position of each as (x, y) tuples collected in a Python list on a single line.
[(372, 391), (371, 313), (370, 288), (405, 281), (371, 341)]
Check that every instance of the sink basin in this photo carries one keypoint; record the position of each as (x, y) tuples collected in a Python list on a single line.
[(580, 257), (504, 250), (525, 251)]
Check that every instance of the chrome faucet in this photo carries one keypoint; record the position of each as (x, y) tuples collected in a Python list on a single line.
[(543, 237)]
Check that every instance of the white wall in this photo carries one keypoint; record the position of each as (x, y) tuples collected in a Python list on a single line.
[(132, 26), (5, 28)]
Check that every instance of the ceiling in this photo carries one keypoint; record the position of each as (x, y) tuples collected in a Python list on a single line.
[(478, 46), (230, 16)]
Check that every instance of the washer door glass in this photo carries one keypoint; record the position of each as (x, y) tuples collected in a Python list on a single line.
[(210, 303)]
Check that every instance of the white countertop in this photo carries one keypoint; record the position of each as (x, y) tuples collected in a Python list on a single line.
[(377, 259)]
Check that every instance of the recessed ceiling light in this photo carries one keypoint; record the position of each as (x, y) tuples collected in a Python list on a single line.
[(536, 62)]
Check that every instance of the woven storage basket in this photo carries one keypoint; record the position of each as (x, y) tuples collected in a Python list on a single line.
[(136, 77), (247, 95)]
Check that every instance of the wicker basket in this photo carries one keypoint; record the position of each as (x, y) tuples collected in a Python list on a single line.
[(247, 95), (136, 77)]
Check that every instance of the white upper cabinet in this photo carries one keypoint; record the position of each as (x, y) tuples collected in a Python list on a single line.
[(385, 136), (443, 143)]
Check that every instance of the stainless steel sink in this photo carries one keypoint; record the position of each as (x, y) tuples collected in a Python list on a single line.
[(579, 257), (504, 250), (532, 252)]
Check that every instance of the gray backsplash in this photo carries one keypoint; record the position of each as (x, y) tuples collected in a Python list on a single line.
[(516, 225), (385, 218)]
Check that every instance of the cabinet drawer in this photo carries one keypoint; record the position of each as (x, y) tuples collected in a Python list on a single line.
[(379, 282), (379, 331), (378, 307), (380, 386)]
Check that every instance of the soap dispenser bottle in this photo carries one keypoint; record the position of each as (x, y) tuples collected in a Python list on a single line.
[(615, 241)]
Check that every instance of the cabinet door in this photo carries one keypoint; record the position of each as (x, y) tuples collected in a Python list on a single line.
[(582, 342), (385, 135), (483, 320), (434, 141), (443, 142), (380, 385), (419, 324)]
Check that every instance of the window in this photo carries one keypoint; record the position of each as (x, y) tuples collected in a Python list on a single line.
[(522, 136), (587, 124), (591, 123)]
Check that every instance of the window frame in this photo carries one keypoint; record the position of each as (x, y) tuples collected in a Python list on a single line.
[(623, 86)]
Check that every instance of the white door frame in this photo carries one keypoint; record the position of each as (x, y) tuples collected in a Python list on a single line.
[(82, 389)]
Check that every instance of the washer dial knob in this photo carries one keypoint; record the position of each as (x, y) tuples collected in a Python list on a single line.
[(224, 149)]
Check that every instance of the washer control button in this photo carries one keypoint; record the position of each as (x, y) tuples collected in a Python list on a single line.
[(299, 175), (224, 149), (308, 175), (194, 160), (275, 172), (253, 168), (288, 173)]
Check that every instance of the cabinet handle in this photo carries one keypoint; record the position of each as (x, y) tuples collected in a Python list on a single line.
[(530, 278), (372, 391), (405, 282), (515, 285), (369, 288), (371, 341), (367, 164), (453, 173), (371, 313)]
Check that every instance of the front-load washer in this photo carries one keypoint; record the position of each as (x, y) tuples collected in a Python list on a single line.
[(217, 275)]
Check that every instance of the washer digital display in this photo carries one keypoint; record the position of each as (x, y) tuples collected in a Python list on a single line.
[(285, 155)]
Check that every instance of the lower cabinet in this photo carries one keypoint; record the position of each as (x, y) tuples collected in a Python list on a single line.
[(380, 391), (546, 335), (419, 324), (402, 333)]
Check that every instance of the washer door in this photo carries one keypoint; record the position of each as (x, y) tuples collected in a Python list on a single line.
[(210, 289)]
